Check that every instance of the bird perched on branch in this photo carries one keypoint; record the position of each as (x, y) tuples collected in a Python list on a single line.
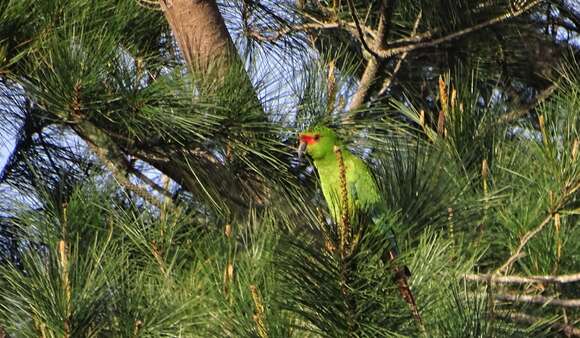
[(341, 170)]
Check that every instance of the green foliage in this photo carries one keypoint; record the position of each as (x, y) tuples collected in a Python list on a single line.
[(240, 245)]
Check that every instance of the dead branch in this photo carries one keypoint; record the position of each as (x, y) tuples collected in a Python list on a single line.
[(568, 330), (316, 24), (562, 279), (404, 45), (539, 300)]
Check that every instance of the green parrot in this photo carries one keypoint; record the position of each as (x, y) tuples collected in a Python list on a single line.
[(362, 192)]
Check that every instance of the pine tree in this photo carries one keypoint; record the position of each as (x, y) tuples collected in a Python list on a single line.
[(152, 187)]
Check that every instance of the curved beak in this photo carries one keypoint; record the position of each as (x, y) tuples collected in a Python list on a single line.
[(301, 149)]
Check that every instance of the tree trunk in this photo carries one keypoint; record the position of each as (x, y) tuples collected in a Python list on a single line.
[(202, 36)]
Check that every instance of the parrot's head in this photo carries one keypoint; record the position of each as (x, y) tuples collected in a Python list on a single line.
[(318, 142)]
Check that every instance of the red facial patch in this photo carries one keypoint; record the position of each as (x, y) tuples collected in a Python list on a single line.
[(308, 139)]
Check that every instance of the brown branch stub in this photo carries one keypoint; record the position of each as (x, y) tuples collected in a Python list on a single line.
[(402, 280)]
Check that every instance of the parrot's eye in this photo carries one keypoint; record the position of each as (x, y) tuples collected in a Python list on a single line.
[(316, 137)]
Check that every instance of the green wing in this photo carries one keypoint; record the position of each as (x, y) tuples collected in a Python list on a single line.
[(361, 184)]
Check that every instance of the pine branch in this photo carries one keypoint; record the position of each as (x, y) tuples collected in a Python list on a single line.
[(524, 110), (112, 158), (386, 53), (149, 181), (562, 279)]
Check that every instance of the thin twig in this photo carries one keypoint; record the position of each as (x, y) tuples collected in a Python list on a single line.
[(361, 36), (316, 24), (562, 279), (539, 300), (523, 241), (277, 35), (530, 234), (389, 80)]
